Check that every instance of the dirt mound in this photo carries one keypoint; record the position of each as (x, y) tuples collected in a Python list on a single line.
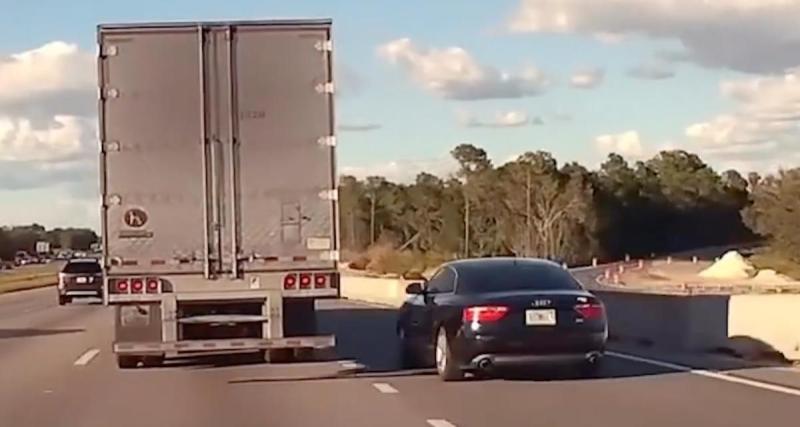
[(732, 265), (771, 277)]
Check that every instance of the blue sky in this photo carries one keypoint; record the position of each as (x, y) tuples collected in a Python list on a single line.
[(416, 124)]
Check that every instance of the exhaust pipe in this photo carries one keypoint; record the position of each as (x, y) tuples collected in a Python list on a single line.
[(485, 363), (593, 357)]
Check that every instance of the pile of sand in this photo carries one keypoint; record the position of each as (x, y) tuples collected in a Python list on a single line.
[(732, 265), (771, 277)]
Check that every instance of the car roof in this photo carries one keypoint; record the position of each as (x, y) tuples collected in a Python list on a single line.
[(83, 260), (499, 262)]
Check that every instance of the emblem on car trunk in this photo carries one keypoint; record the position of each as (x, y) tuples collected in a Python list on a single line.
[(541, 302)]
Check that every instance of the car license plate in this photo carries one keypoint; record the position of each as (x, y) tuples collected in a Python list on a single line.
[(81, 280), (540, 317)]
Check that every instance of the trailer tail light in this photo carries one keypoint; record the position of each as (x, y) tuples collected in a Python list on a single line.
[(320, 281), (305, 281), (152, 285), (122, 286), (290, 281), (137, 285)]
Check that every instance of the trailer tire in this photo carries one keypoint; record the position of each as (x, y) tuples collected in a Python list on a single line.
[(127, 362), (279, 355)]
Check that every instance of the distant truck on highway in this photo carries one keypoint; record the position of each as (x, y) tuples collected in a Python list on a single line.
[(219, 216)]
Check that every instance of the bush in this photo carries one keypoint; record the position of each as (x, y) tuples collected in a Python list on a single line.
[(384, 259)]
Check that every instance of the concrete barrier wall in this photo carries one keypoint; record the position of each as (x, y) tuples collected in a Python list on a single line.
[(389, 292), (748, 325), (772, 319)]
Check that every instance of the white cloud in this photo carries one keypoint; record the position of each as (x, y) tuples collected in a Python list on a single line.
[(765, 124), (745, 35), (587, 79), (63, 138), (453, 73), (652, 70), (56, 78), (358, 127), (502, 119), (404, 171), (48, 141), (627, 144), (609, 38)]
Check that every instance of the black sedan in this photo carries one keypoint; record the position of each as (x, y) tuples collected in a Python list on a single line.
[(474, 315)]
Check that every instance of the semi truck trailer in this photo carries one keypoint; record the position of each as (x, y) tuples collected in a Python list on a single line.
[(218, 181)]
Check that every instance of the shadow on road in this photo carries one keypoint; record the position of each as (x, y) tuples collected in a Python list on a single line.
[(26, 333)]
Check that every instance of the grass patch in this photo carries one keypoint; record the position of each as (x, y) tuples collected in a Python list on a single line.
[(29, 277), (775, 261)]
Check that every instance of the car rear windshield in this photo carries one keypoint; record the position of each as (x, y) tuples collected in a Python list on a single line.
[(515, 277), (82, 268)]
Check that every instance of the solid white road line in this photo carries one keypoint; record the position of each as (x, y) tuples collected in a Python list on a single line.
[(708, 374), (440, 423), (87, 357), (385, 388)]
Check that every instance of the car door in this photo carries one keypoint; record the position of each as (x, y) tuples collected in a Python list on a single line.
[(440, 288)]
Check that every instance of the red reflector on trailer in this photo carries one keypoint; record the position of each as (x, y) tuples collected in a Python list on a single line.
[(299, 258), (122, 286), (290, 281), (305, 281), (152, 286), (137, 285), (320, 280)]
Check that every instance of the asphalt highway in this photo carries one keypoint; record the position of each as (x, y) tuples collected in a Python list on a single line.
[(56, 369)]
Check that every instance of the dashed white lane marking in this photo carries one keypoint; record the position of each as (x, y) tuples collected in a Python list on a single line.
[(385, 388), (440, 423), (87, 357), (708, 374)]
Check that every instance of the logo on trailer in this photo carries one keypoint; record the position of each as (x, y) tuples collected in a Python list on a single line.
[(135, 218)]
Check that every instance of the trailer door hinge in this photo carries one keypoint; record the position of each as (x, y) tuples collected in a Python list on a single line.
[(109, 50), (324, 87), (324, 45), (327, 141), (329, 194), (329, 256)]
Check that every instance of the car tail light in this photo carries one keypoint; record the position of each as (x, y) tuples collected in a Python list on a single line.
[(305, 281), (590, 311), (122, 286), (137, 285), (290, 281), (320, 280), (484, 313), (152, 286)]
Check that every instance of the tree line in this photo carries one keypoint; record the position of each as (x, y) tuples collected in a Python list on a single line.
[(24, 238), (534, 206)]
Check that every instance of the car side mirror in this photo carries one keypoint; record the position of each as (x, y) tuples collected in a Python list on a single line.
[(415, 289)]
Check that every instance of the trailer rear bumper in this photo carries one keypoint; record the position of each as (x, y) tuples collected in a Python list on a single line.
[(222, 345)]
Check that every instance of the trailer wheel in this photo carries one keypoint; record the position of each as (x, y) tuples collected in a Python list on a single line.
[(127, 362), (279, 355), (153, 361)]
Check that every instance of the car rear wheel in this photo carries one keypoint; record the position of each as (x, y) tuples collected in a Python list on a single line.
[(446, 365), (63, 299)]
